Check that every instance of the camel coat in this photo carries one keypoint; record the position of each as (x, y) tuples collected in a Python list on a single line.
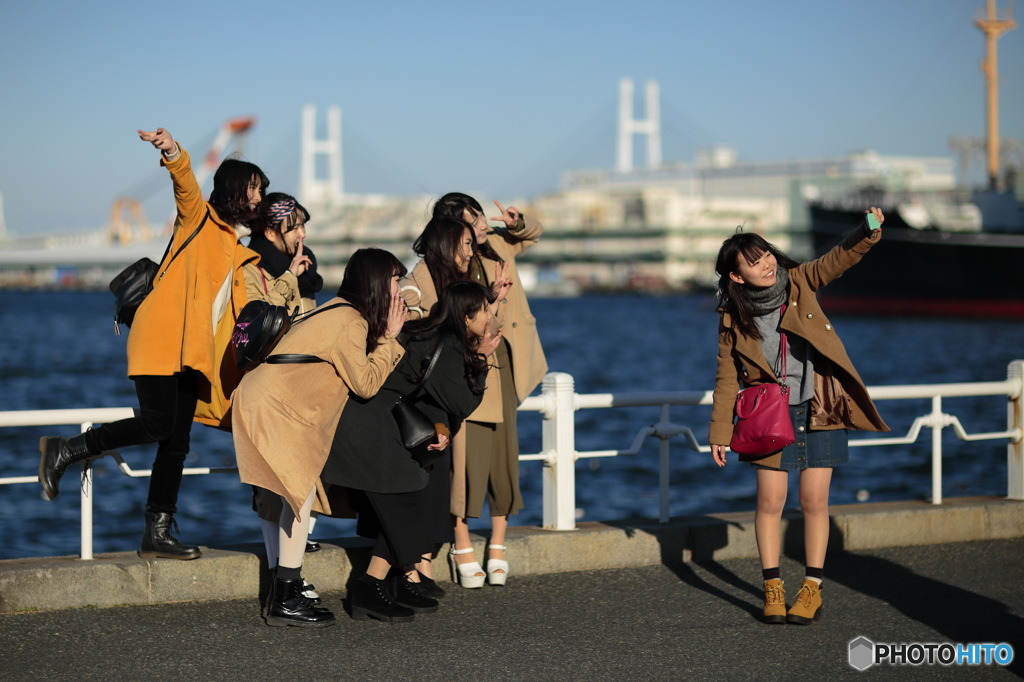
[(284, 416), (260, 285), (180, 325), (840, 396)]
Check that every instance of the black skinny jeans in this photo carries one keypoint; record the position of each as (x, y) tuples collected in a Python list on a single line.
[(167, 405)]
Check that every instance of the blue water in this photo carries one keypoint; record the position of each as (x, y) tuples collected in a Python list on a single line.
[(57, 350)]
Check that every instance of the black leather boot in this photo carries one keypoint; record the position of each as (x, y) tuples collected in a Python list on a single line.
[(55, 455), (158, 543), (369, 598), (409, 594), (288, 606)]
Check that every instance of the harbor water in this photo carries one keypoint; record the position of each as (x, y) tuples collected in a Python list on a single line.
[(58, 350)]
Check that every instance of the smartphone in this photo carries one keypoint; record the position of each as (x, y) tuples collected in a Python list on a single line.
[(873, 221)]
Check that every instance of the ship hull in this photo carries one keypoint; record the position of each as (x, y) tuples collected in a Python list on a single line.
[(924, 271)]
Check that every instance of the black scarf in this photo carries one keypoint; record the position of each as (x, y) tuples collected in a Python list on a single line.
[(276, 263)]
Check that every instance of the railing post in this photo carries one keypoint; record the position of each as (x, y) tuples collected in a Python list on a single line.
[(86, 493), (663, 471), (1015, 421), (937, 422), (559, 444)]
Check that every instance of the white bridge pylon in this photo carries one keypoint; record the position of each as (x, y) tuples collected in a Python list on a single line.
[(629, 125), (314, 190)]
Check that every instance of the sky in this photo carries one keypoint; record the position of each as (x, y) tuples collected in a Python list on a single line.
[(483, 97)]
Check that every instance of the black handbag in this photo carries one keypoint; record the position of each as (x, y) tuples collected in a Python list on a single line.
[(416, 429), (259, 328), (133, 284)]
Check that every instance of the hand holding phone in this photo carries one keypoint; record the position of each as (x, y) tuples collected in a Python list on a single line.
[(873, 221)]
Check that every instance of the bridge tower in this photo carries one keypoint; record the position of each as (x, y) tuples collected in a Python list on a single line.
[(629, 125), (329, 191)]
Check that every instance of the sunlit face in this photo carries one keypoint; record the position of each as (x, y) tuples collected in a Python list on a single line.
[(479, 224), (477, 324), (761, 273), (464, 251), (289, 234), (254, 191), (396, 289)]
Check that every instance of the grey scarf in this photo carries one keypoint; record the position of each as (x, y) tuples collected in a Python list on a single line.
[(768, 299)]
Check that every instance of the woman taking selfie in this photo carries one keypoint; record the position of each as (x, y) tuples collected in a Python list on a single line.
[(771, 328)]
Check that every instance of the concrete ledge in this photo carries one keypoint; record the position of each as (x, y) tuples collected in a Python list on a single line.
[(236, 572)]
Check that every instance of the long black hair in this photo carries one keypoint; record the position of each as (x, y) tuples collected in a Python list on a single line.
[(230, 195), (455, 205), (367, 286), (437, 246), (734, 298), (455, 303)]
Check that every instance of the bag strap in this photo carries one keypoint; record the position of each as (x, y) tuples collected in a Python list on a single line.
[(299, 358), (433, 361), (783, 350), (190, 238), (292, 359)]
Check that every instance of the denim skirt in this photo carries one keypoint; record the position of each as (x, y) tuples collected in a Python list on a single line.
[(812, 449)]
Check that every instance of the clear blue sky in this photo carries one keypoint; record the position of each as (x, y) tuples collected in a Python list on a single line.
[(486, 97)]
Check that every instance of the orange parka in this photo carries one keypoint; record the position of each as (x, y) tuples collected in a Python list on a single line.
[(187, 320)]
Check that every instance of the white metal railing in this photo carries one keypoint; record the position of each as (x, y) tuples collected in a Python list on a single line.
[(558, 403)]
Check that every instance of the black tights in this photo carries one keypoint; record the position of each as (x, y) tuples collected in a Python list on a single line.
[(167, 405)]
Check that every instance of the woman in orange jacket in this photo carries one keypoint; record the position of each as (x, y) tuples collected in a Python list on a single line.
[(178, 353)]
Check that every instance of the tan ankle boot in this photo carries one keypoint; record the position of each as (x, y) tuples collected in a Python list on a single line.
[(774, 601), (807, 607)]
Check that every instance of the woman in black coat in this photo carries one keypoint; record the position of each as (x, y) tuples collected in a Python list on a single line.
[(386, 485)]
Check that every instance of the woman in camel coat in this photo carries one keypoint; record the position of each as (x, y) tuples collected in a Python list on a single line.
[(485, 454), (284, 415)]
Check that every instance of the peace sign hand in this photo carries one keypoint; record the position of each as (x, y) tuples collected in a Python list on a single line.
[(501, 283), (510, 216)]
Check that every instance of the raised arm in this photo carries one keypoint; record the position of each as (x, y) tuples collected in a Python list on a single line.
[(188, 198), (364, 373), (844, 255)]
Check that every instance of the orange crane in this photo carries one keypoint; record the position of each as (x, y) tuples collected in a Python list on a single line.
[(121, 231)]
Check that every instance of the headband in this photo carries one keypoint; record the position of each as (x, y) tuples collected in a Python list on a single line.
[(279, 210)]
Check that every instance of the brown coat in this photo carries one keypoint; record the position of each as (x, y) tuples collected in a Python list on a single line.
[(840, 396), (284, 416), (178, 325)]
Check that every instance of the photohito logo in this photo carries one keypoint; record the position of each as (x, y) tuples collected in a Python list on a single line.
[(864, 653)]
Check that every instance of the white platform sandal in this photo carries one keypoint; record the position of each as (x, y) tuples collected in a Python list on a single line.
[(470, 575), (497, 569)]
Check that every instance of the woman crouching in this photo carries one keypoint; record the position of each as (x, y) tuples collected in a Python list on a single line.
[(284, 414)]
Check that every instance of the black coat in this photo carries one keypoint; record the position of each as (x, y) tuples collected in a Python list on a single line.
[(367, 452)]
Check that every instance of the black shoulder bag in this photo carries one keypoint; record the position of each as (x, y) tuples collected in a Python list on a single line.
[(416, 429), (133, 284)]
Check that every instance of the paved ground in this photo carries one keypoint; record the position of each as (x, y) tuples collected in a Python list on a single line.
[(665, 623)]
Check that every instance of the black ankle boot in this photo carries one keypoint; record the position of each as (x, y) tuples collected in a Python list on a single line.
[(409, 594), (369, 598), (430, 588), (157, 541), (55, 455), (288, 606)]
